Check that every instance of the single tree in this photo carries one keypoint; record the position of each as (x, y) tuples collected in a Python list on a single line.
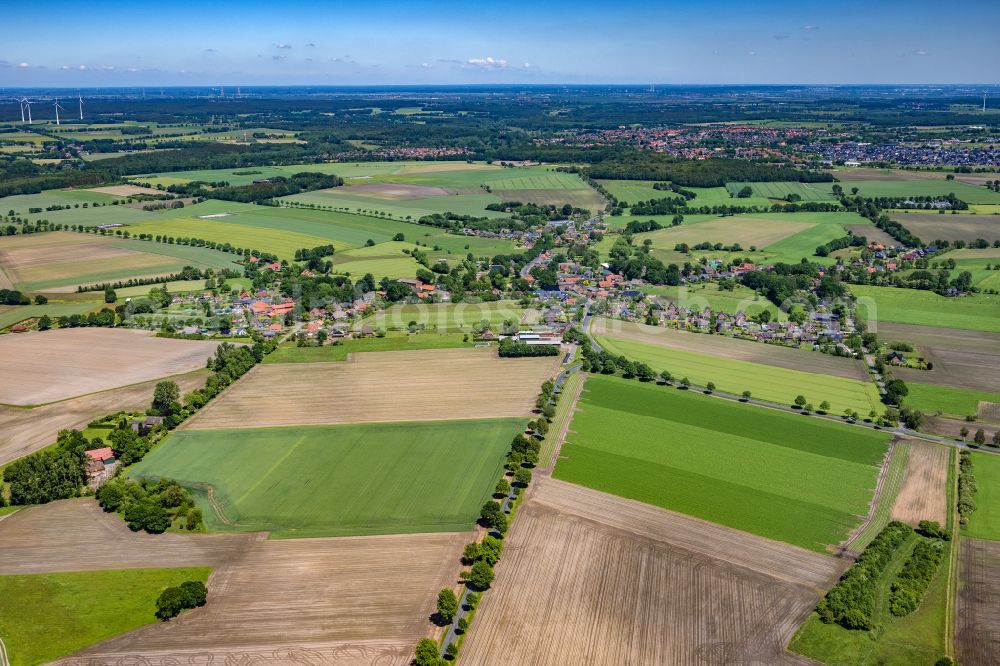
[(800, 401), (980, 437), (964, 432), (165, 395), (481, 576), (427, 653), (709, 387), (685, 383), (746, 396), (824, 407), (502, 489), (447, 606)]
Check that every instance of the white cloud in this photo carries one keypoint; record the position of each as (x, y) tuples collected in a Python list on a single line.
[(82, 67), (108, 68), (282, 46), (489, 62), (920, 52), (132, 69), (426, 65), (810, 27), (64, 67), (751, 53), (23, 65)]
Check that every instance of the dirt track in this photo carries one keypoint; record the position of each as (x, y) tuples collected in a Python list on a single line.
[(23, 431), (309, 601), (596, 579), (977, 623), (924, 492), (731, 348), (44, 367), (381, 386)]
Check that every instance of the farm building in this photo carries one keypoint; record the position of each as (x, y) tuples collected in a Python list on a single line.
[(100, 466)]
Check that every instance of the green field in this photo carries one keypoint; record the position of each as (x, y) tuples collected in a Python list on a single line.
[(393, 341), (303, 481), (793, 249), (632, 191), (400, 209), (708, 294), (20, 203), (914, 188), (766, 382), (984, 522), (12, 314), (916, 639), (931, 398), (175, 287), (976, 312), (779, 475), (448, 316), (47, 616), (780, 190)]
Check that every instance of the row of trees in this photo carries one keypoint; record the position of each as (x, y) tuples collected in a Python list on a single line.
[(966, 487), (912, 580), (511, 348)]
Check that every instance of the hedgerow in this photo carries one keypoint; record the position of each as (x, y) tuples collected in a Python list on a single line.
[(912, 580)]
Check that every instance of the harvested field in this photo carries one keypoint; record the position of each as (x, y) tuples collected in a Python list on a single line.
[(126, 190), (330, 601), (731, 348), (872, 233), (395, 191), (932, 226), (977, 617), (77, 535), (638, 585), (54, 365), (924, 492), (382, 386), (950, 427), (962, 358), (24, 431)]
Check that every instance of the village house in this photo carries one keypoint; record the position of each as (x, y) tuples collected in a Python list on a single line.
[(101, 466)]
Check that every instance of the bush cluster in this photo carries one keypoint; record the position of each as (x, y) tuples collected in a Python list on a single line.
[(966, 487), (911, 582), (173, 600), (851, 602), (512, 349), (148, 505)]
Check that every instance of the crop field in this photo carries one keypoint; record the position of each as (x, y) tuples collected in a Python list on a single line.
[(974, 312), (785, 477), (448, 316), (707, 294), (780, 190), (924, 494), (390, 266), (960, 402), (639, 585), (340, 600), (961, 358), (24, 431), (930, 227), (20, 203), (175, 287), (124, 190), (55, 365), (923, 187), (322, 601), (393, 341), (977, 616), (766, 382), (719, 196), (976, 262), (777, 236), (91, 606), (892, 477), (61, 260), (12, 314), (389, 386), (355, 202), (306, 481), (984, 523), (731, 348)]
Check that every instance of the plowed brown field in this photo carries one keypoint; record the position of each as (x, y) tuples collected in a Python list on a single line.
[(977, 617), (24, 431), (43, 367), (382, 386), (589, 578), (924, 492)]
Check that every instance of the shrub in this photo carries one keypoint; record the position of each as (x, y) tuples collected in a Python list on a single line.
[(911, 582), (851, 602)]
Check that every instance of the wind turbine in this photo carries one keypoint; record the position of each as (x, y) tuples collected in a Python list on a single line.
[(58, 106), (81, 106), (26, 104), (20, 103)]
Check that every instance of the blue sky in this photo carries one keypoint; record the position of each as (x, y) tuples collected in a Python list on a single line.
[(104, 43)]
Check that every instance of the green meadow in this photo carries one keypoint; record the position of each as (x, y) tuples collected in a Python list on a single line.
[(914, 188), (47, 616), (931, 398), (766, 382), (779, 475), (338, 480), (393, 341), (984, 522), (708, 294), (780, 190), (975, 312)]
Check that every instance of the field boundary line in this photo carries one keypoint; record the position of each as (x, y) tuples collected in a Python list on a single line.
[(564, 431), (956, 538), (883, 473)]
